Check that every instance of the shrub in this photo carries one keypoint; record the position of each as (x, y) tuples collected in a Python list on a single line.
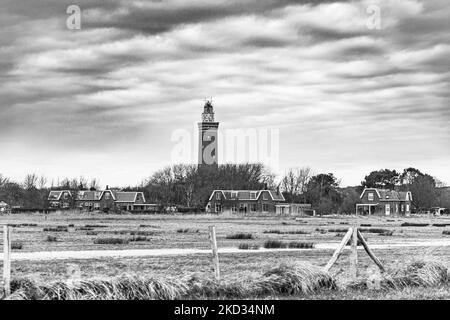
[(84, 229), (413, 224), (300, 245), (142, 233), (248, 246), (274, 244), (337, 230), (138, 239), (365, 225), (240, 236), (15, 245), (321, 230), (187, 230), (149, 226), (286, 232), (343, 223), (71, 225), (57, 229), (95, 226), (381, 232), (91, 233), (110, 241), (50, 238), (441, 224), (446, 232)]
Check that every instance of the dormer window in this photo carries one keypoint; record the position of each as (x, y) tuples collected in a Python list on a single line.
[(107, 195), (370, 196), (234, 195), (265, 196), (218, 196), (252, 195)]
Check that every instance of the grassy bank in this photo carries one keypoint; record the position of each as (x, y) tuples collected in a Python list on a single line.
[(294, 280)]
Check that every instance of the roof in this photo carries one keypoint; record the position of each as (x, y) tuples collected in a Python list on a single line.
[(130, 196), (3, 204), (390, 195), (118, 196), (247, 194), (56, 194)]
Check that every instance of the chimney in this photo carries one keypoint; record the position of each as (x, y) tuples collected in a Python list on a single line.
[(107, 187)]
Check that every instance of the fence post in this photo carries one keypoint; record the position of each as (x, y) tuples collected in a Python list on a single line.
[(354, 254), (7, 259), (215, 253)]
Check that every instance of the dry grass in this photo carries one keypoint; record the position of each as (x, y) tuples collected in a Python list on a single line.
[(276, 244), (286, 279), (240, 236)]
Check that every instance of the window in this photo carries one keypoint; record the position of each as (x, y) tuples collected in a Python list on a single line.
[(388, 209), (407, 208), (370, 196), (65, 195), (402, 208), (97, 205), (107, 196), (217, 195), (265, 207), (218, 207), (234, 194), (265, 196), (253, 207), (252, 195), (243, 207), (234, 208)]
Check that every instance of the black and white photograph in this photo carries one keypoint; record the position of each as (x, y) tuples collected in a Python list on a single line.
[(247, 152)]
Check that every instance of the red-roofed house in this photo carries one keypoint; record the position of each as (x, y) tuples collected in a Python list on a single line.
[(251, 201), (384, 202)]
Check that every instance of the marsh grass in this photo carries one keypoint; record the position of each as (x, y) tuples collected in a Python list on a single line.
[(240, 236), (414, 224), (188, 230), (248, 246), (110, 241), (283, 280), (276, 231), (276, 244)]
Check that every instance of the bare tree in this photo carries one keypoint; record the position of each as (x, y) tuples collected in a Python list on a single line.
[(42, 182), (295, 181), (3, 180), (94, 184), (30, 181)]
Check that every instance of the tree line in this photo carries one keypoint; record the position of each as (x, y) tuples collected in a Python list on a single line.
[(190, 186)]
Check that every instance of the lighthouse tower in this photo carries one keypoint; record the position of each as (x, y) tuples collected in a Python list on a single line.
[(208, 134)]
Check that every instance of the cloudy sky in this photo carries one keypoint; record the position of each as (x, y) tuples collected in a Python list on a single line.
[(104, 101)]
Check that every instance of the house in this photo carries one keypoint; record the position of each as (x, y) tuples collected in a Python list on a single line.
[(104, 200), (59, 199), (251, 201), (384, 202), (4, 207)]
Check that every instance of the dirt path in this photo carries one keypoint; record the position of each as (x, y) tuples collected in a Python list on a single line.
[(93, 254)]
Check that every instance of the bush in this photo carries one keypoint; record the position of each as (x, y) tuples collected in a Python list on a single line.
[(142, 233), (300, 245), (337, 230), (248, 246), (84, 229), (286, 232), (413, 224), (15, 245), (381, 232), (441, 224), (91, 233), (187, 230), (276, 244), (149, 226), (138, 239), (110, 241), (95, 226), (51, 239), (240, 236), (57, 229), (446, 232), (365, 225)]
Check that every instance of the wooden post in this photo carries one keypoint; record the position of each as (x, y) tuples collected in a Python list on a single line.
[(354, 254), (339, 250), (7, 260), (215, 253), (369, 252)]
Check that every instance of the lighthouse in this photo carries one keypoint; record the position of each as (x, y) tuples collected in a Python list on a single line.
[(208, 135)]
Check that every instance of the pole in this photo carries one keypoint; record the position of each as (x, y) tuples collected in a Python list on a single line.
[(7, 259), (215, 253), (354, 254)]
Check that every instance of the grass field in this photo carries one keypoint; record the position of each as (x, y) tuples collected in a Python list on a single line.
[(121, 232)]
